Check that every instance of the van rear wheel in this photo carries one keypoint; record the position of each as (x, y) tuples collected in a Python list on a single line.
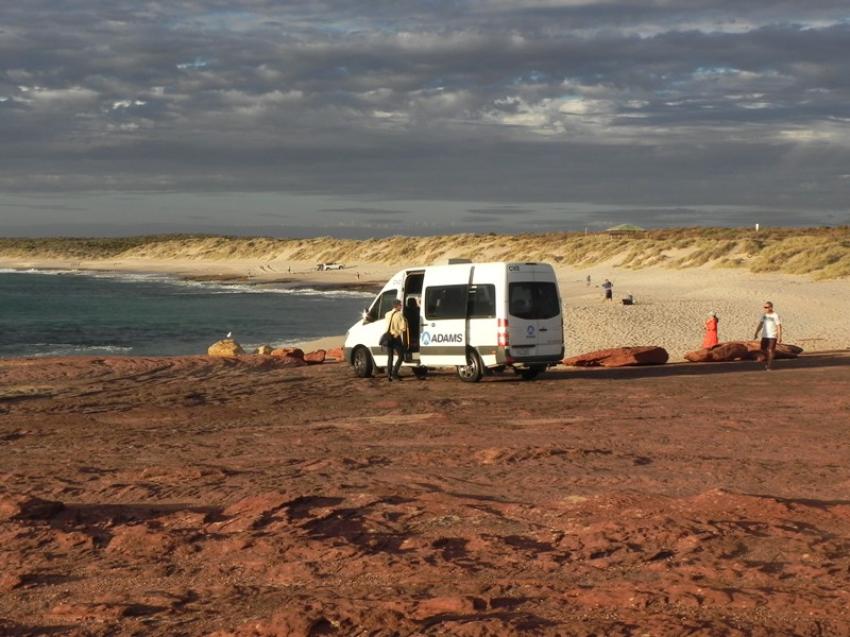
[(473, 370), (361, 359)]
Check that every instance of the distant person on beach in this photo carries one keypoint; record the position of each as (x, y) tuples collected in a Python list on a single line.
[(588, 280), (710, 339), (396, 328), (629, 299), (609, 290), (771, 333)]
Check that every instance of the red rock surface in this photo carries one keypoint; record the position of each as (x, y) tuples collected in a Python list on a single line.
[(336, 353), (242, 497), (293, 352), (723, 352), (315, 358), (738, 351), (26, 507), (783, 350), (620, 357)]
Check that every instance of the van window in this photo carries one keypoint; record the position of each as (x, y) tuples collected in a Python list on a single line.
[(482, 301), (382, 305), (533, 300), (445, 302)]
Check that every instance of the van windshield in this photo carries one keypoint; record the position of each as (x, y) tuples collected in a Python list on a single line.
[(533, 300)]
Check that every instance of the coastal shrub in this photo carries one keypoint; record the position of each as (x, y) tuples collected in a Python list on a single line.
[(818, 252)]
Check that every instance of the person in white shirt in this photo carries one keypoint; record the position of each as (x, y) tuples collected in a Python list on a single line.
[(771, 333)]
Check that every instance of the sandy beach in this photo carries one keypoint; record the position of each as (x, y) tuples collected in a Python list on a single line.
[(670, 310)]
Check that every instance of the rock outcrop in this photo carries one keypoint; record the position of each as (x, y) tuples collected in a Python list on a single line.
[(336, 354), (292, 352), (720, 353), (783, 350), (225, 347), (315, 358), (620, 357), (740, 351)]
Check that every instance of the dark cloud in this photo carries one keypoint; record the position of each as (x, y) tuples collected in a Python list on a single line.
[(499, 105), (379, 212), (499, 211)]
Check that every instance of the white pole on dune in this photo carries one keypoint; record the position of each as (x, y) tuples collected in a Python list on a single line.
[(757, 227)]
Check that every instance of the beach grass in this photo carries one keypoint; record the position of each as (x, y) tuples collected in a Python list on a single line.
[(821, 253)]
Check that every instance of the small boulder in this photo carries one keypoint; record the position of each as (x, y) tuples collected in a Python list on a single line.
[(721, 353), (620, 357), (225, 347), (264, 350), (292, 352), (315, 358), (336, 353), (783, 350), (739, 351)]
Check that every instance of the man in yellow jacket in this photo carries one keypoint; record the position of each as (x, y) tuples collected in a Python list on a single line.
[(396, 328)]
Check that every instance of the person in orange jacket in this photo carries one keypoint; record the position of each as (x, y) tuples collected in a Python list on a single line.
[(710, 339)]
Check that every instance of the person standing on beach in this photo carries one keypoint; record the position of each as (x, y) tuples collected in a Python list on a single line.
[(609, 290), (588, 280), (396, 328), (710, 339), (771, 333)]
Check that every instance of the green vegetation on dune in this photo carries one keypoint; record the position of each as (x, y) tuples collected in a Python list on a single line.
[(816, 252)]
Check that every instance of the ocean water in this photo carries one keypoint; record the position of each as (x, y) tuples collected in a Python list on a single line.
[(75, 313)]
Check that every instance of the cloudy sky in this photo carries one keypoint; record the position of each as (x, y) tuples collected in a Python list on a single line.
[(376, 117)]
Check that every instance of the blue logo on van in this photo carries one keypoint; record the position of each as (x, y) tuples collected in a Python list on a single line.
[(530, 331), (427, 338)]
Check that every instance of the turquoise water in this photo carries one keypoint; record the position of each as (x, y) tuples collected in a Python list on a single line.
[(72, 313)]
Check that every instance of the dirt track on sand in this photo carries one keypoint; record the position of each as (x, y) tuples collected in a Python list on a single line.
[(238, 498)]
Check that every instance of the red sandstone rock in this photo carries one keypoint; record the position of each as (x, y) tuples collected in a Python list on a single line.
[(738, 351), (722, 353), (293, 352), (10, 581), (335, 353), (89, 612), (314, 358), (250, 512), (783, 350), (291, 361), (25, 507), (620, 357)]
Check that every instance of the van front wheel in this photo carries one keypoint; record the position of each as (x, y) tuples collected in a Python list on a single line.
[(473, 370), (361, 359)]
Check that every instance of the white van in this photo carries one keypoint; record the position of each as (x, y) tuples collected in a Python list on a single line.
[(477, 317)]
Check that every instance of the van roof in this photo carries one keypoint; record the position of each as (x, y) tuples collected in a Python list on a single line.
[(476, 263)]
